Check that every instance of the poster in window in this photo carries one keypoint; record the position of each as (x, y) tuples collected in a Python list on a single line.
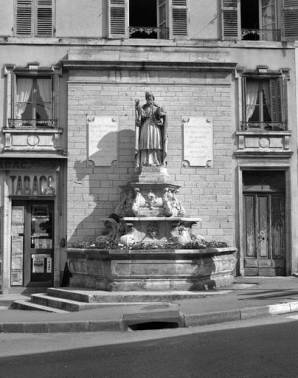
[(49, 265), (17, 215), (16, 277), (38, 264), (17, 259)]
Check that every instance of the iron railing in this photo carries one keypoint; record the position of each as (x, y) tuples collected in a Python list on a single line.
[(261, 34), (269, 126), (19, 123), (161, 32)]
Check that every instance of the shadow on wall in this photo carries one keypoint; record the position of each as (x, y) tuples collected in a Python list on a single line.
[(94, 189)]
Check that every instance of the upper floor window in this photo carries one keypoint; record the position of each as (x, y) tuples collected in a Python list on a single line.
[(267, 20), (159, 19), (264, 102), (31, 96), (34, 18), (33, 105)]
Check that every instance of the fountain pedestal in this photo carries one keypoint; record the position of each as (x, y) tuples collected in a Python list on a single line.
[(151, 219)]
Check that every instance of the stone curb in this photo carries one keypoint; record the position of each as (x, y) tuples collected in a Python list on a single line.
[(63, 326), (189, 320), (242, 314)]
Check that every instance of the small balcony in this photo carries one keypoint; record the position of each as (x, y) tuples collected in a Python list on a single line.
[(261, 35), (29, 135)]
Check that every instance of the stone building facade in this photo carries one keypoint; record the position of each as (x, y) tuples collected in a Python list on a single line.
[(71, 73)]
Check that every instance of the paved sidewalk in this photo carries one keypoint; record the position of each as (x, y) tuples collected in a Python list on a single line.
[(246, 298)]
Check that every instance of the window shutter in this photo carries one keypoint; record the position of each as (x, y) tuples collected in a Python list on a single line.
[(244, 100), (118, 17), (179, 18), (275, 100), (162, 19), (44, 18), (290, 20), (230, 12), (23, 24), (284, 99)]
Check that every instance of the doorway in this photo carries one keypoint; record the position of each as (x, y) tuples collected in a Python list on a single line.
[(32, 243), (264, 223)]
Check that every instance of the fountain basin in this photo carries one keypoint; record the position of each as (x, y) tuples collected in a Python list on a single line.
[(151, 270)]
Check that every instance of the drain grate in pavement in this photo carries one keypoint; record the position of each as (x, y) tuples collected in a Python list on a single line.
[(152, 325), (153, 320)]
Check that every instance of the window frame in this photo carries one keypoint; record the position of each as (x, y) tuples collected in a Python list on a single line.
[(34, 18), (33, 120), (286, 19), (278, 101), (177, 19), (33, 72)]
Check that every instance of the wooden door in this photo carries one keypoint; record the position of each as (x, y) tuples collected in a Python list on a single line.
[(264, 230), (264, 234)]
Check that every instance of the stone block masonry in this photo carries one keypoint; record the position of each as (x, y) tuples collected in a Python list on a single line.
[(93, 191)]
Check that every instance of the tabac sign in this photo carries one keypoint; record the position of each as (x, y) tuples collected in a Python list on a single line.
[(27, 164), (32, 184)]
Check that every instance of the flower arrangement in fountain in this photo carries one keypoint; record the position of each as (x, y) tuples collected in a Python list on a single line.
[(168, 245)]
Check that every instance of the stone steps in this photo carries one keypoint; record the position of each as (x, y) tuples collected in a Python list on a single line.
[(26, 304), (62, 303), (76, 299), (99, 296)]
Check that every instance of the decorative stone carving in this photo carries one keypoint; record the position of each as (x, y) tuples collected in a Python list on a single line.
[(181, 234), (264, 142), (150, 199), (171, 203), (153, 230), (129, 238), (33, 140), (129, 203), (113, 231), (136, 202)]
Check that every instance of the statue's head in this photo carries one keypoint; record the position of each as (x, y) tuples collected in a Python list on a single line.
[(149, 97)]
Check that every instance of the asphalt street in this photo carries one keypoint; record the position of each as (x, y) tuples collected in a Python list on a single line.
[(259, 348)]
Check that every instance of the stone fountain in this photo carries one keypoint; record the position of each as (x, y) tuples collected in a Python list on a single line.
[(148, 218)]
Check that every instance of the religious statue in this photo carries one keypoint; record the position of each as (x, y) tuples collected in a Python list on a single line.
[(151, 133)]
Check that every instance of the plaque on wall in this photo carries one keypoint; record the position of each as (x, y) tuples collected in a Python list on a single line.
[(103, 140), (198, 141)]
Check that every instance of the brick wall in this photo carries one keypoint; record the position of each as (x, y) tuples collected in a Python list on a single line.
[(93, 192)]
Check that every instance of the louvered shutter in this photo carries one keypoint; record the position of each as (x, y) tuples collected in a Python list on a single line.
[(244, 100), (290, 20), (162, 19), (118, 16), (178, 18), (24, 19), (284, 99), (44, 18), (230, 14), (275, 100)]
